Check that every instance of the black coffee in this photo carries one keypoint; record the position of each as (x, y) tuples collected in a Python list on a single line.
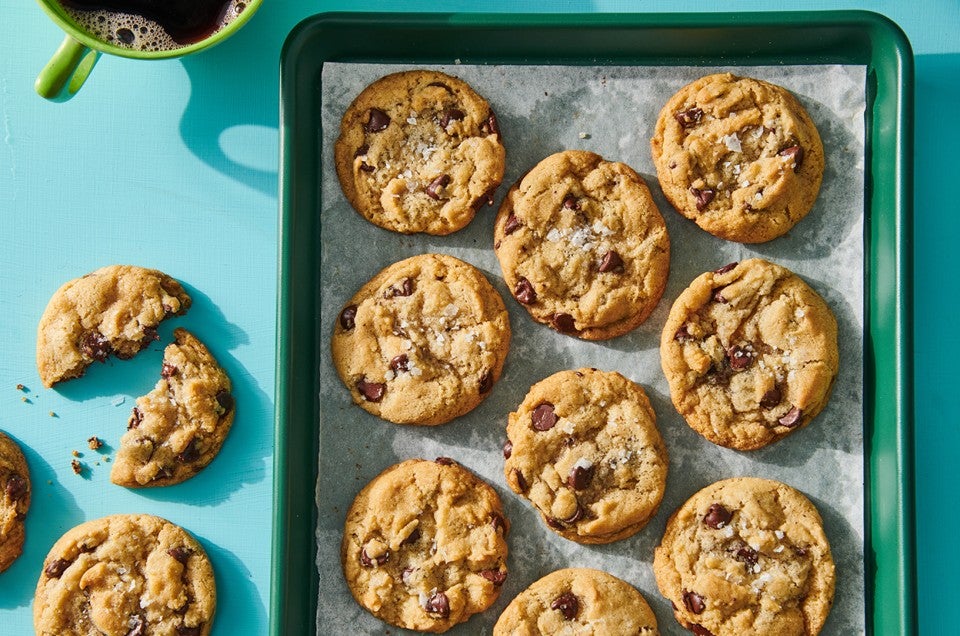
[(153, 25)]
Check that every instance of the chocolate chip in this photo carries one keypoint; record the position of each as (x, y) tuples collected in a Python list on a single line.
[(368, 562), (718, 296), (498, 523), (400, 363), (567, 604), (580, 477), (717, 516), (570, 202), (450, 114), (180, 553), (795, 153), (445, 461), (348, 317), (189, 454), (564, 323), (683, 334), (521, 482), (490, 125), (524, 292), (507, 449), (486, 382), (16, 487), (704, 197), (497, 577), (371, 391), (361, 151), (438, 604), (96, 346), (441, 85), (726, 268), (484, 199), (149, 335), (168, 370), (543, 418), (403, 288), (575, 517), (135, 418), (747, 555), (183, 630), (55, 569), (412, 538), (225, 400), (512, 224), (792, 418), (700, 630), (689, 117), (740, 358), (433, 190), (366, 167), (138, 627), (611, 262), (771, 398), (799, 551), (694, 602), (378, 121)]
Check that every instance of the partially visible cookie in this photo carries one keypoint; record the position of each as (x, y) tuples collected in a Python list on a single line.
[(179, 427), (582, 245), (747, 556), (578, 601), (424, 545), (14, 500), (114, 310), (750, 353), (125, 574), (422, 342), (419, 151), (584, 449), (739, 156)]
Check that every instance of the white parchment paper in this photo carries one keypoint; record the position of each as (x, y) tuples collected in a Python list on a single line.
[(611, 111)]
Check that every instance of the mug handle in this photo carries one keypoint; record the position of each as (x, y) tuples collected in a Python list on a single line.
[(66, 71)]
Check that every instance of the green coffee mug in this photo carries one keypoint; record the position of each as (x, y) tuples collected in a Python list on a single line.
[(70, 66)]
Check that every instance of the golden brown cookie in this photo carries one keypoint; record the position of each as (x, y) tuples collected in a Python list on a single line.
[(424, 545), (739, 156), (419, 151), (114, 310), (584, 449), (124, 575), (750, 353), (747, 556), (15, 493), (179, 427), (423, 342), (578, 601), (582, 245)]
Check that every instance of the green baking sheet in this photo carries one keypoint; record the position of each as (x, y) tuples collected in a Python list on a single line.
[(708, 40)]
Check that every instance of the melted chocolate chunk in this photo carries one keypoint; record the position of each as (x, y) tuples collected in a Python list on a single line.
[(497, 577), (683, 334), (378, 121), (689, 118), (189, 454), (445, 461), (567, 604), (694, 602), (371, 391), (168, 370), (138, 626), (564, 323), (433, 190), (570, 202), (524, 292), (740, 358), (400, 363), (484, 199), (180, 553), (717, 516), (611, 262), (718, 296), (507, 449), (795, 153), (726, 268), (490, 125), (95, 345), (450, 114), (225, 400), (366, 167), (438, 604), (149, 335), (700, 630), (792, 418), (771, 398), (703, 196), (543, 417), (486, 382), (56, 568), (412, 538), (580, 477), (747, 555), (361, 151), (368, 562), (16, 487), (183, 630), (521, 482), (512, 224), (348, 317), (403, 288), (498, 523)]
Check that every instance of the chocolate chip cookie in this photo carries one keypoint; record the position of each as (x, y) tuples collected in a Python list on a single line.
[(747, 556), (14, 500), (578, 601), (582, 245), (179, 427), (750, 353), (422, 342), (419, 151), (739, 156), (584, 448), (114, 310), (424, 545), (125, 574)]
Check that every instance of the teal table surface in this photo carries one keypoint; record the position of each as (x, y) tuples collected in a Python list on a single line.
[(174, 165)]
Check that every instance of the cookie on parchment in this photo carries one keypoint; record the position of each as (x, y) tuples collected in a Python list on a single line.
[(15, 492), (180, 426), (750, 353), (584, 449), (739, 156), (125, 574), (114, 310), (578, 601), (582, 245), (747, 556), (424, 545), (419, 151), (422, 342)]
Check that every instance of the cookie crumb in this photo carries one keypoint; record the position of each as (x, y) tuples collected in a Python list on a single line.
[(52, 414), (25, 399), (76, 466), (20, 387), (584, 135), (75, 453), (94, 443)]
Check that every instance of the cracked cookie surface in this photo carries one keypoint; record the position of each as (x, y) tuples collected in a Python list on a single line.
[(180, 426), (15, 492), (112, 311), (747, 556), (424, 545), (122, 575), (582, 246), (578, 602), (423, 342), (750, 353), (419, 151), (739, 156), (583, 447)]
